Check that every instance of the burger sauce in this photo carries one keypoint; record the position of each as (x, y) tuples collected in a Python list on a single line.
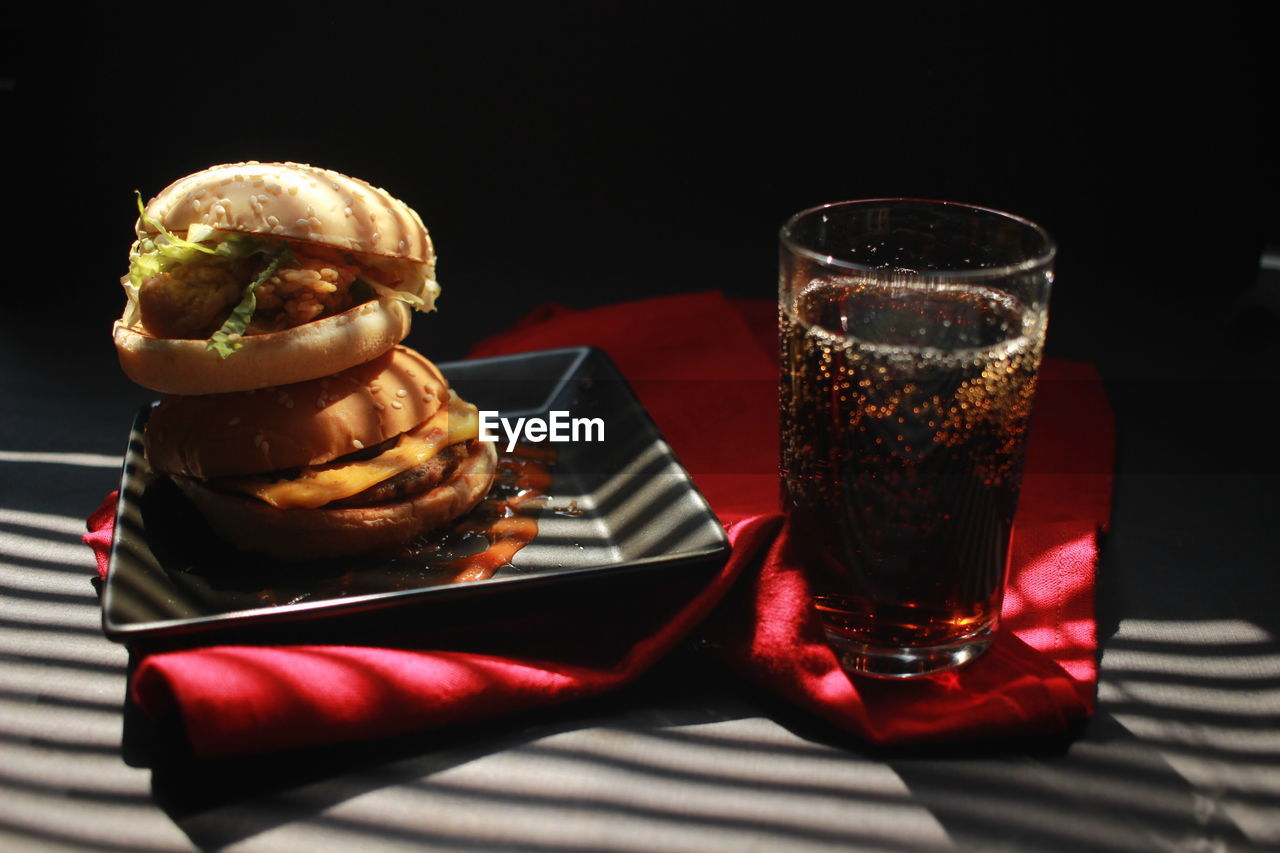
[(502, 524)]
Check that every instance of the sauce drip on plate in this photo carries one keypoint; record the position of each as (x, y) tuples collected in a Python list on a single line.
[(487, 539)]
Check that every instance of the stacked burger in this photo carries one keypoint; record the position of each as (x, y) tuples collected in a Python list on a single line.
[(268, 301)]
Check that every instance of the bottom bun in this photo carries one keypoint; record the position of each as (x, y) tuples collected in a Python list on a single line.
[(310, 534), (309, 351)]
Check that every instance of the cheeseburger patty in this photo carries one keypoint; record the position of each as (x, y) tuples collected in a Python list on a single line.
[(415, 481)]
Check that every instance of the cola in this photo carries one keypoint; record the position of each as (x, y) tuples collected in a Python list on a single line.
[(905, 408)]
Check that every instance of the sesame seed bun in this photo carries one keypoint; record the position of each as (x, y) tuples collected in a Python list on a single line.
[(308, 423), (294, 201), (319, 348)]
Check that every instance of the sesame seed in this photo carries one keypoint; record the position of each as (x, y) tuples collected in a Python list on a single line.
[(395, 404), (266, 447), (379, 406), (258, 440), (375, 388), (400, 392), (358, 443), (301, 223), (376, 236), (319, 402)]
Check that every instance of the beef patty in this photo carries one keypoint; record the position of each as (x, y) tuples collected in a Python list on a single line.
[(414, 481)]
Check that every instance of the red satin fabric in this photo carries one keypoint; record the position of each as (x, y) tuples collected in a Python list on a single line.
[(705, 369)]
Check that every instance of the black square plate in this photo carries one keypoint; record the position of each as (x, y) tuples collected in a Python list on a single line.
[(620, 505)]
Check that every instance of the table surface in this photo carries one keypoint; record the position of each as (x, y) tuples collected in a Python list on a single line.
[(1184, 753)]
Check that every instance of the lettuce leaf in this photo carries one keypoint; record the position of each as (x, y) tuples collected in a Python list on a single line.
[(154, 254), (173, 239), (384, 292), (226, 340)]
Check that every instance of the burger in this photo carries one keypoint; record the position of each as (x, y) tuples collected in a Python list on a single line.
[(267, 301), (249, 275), (355, 462)]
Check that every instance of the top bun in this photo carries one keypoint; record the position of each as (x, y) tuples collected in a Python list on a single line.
[(297, 202)]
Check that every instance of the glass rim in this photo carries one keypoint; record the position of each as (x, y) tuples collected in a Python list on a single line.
[(1043, 258)]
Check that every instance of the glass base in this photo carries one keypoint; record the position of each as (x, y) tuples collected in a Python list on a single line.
[(861, 659)]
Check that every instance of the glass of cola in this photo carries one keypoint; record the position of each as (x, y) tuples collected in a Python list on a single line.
[(911, 333)]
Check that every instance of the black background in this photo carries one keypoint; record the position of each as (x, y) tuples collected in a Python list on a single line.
[(589, 153)]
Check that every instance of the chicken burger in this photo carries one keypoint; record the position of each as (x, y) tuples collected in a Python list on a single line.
[(251, 275)]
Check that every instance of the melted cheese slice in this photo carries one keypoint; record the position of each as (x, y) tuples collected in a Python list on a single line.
[(322, 484)]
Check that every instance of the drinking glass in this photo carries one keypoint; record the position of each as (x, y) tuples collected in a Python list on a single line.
[(911, 333)]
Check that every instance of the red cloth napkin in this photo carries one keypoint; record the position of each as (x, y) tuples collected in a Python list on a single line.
[(705, 369)]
